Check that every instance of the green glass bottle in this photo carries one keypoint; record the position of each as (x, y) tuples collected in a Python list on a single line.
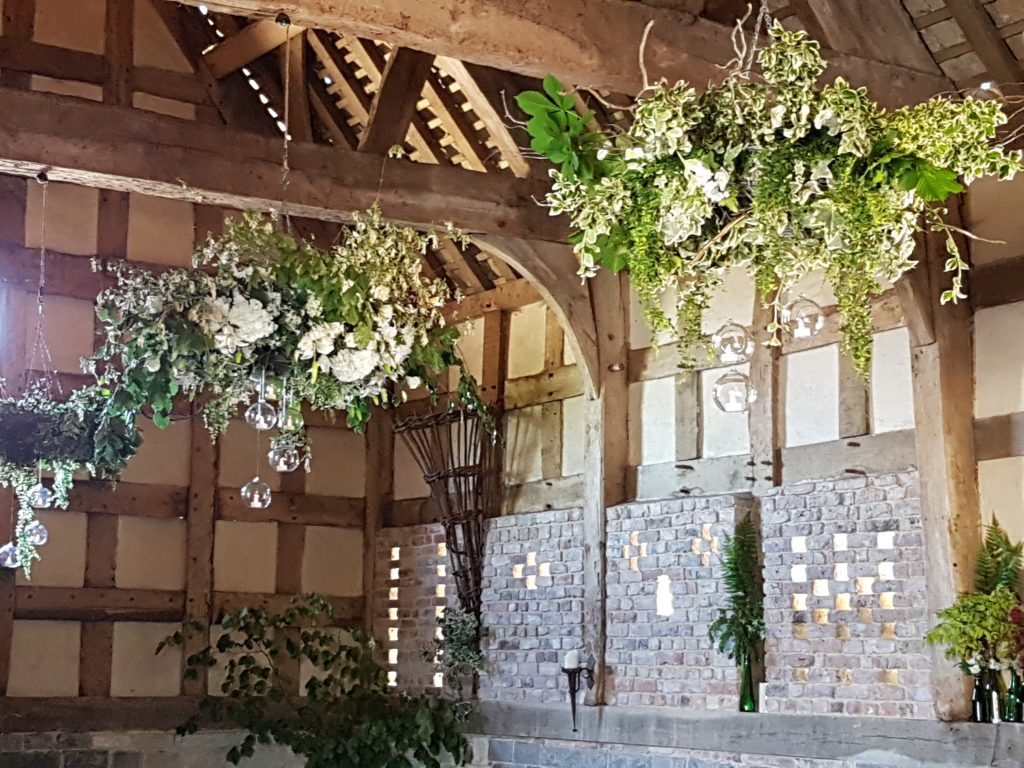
[(747, 701), (1013, 711), (978, 708)]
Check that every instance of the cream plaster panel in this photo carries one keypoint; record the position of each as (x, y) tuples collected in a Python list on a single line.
[(160, 231), (999, 360), (150, 553), (640, 335), (471, 348), (724, 434), (77, 25), (61, 560), (526, 340), (810, 380), (44, 658), (137, 669), (523, 462), (71, 218), (574, 428), (153, 44), (238, 452), (1001, 486), (339, 462), (733, 301), (170, 107), (815, 287), (165, 455), (67, 331), (74, 88), (332, 563), (993, 213), (408, 479), (652, 415), (245, 557), (892, 388), (568, 356)]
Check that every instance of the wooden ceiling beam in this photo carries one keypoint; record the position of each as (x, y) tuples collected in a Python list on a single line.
[(584, 42), (394, 106), (130, 150), (988, 44), (250, 43)]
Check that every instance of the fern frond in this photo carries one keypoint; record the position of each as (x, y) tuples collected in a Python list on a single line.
[(999, 562)]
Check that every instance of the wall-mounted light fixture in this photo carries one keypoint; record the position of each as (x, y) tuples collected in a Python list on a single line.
[(576, 670)]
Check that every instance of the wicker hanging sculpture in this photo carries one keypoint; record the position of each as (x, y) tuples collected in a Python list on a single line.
[(461, 461)]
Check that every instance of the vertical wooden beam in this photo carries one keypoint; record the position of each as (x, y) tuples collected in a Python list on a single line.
[(118, 50), (7, 512), (19, 24), (943, 380), (293, 74), (97, 649), (853, 400), (551, 413), (200, 524), (401, 84), (766, 414), (380, 476), (495, 357), (688, 415), (605, 458), (291, 545)]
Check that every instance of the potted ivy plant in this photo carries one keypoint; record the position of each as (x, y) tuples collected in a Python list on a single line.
[(739, 630), (348, 716)]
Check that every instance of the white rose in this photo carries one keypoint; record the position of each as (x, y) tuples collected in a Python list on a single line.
[(153, 364)]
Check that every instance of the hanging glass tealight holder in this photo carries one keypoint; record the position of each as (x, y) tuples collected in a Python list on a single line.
[(256, 494), (36, 533), (284, 458), (40, 497), (261, 415), (9, 556), (733, 392), (732, 343), (803, 318)]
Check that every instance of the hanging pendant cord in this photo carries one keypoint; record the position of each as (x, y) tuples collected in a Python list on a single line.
[(40, 350), (763, 20), (284, 21)]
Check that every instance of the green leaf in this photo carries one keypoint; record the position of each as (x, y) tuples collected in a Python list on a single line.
[(535, 103), (936, 184)]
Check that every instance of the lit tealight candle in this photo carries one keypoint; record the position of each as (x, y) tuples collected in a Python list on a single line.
[(572, 660)]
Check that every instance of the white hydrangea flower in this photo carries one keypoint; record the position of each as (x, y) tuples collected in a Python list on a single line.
[(318, 340), (380, 293), (350, 365), (236, 322)]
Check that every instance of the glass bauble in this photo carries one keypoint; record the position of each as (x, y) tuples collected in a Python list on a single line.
[(803, 318), (733, 344), (40, 497), (261, 415), (36, 533), (256, 494), (9, 556), (284, 459), (733, 392)]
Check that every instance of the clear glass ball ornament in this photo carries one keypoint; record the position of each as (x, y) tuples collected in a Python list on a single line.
[(36, 533), (733, 344), (803, 318), (9, 556), (261, 415), (733, 392), (256, 494), (290, 419), (284, 459), (40, 497)]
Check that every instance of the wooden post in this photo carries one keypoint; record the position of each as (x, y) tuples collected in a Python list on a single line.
[(495, 357), (943, 380), (551, 412), (97, 649), (605, 457), (19, 24), (8, 507), (380, 476), (767, 412)]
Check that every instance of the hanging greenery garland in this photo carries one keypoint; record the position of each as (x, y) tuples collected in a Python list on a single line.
[(260, 315), (772, 173)]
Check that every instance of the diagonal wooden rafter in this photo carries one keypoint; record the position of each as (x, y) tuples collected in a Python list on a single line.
[(988, 43), (584, 42), (248, 44), (394, 105)]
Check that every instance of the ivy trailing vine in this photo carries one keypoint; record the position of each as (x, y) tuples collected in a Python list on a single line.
[(768, 172), (347, 716)]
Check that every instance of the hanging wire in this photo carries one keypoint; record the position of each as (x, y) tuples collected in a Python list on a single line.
[(764, 15), (40, 350), (285, 21)]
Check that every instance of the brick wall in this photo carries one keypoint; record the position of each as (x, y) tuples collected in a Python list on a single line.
[(845, 598), (411, 586), (664, 591), (532, 604)]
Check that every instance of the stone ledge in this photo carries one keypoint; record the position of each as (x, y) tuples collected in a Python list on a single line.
[(819, 737)]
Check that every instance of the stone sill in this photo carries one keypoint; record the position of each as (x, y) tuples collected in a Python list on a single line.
[(822, 737)]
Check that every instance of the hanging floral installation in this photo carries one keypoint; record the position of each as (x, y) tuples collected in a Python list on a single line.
[(769, 172), (263, 321)]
